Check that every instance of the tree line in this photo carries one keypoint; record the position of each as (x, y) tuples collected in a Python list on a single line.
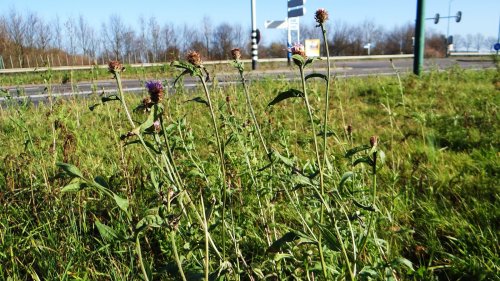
[(27, 40)]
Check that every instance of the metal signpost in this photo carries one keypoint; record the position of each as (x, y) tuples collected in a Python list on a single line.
[(295, 10)]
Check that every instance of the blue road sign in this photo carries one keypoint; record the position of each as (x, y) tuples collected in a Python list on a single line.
[(496, 47)]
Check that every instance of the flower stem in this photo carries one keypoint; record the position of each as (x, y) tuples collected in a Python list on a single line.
[(222, 165), (318, 160)]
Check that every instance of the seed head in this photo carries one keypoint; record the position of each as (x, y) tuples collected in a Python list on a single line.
[(349, 129), (155, 89), (373, 141), (236, 53), (194, 58), (115, 66), (298, 49), (321, 16)]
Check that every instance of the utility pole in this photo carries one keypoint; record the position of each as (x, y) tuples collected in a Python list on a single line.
[(255, 51), (418, 57)]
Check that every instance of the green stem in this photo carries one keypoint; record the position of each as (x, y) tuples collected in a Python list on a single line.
[(222, 166), (176, 255), (139, 255), (318, 160), (252, 112)]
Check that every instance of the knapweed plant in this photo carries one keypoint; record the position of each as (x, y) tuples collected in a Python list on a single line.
[(261, 212)]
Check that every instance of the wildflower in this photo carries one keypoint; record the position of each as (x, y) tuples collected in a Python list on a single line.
[(236, 54), (349, 129), (157, 126), (155, 89), (321, 16), (373, 141), (194, 58), (115, 66), (298, 49)]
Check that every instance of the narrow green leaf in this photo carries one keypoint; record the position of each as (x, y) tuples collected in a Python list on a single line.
[(288, 237), (149, 221), (74, 187), (121, 202), (365, 159), (355, 150), (316, 75), (107, 233), (346, 176), (287, 161), (292, 93), (199, 100), (281, 256), (403, 261), (109, 98), (101, 181), (330, 239), (70, 169)]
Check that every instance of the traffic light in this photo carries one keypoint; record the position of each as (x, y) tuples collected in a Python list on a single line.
[(458, 17), (436, 18)]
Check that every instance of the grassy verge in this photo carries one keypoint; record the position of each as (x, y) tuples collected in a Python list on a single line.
[(436, 207)]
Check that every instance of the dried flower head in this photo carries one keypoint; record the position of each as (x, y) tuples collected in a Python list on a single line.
[(373, 141), (115, 66), (321, 16), (349, 129), (155, 89), (298, 49), (236, 54), (194, 58)]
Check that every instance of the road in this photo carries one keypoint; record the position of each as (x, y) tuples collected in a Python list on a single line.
[(38, 93)]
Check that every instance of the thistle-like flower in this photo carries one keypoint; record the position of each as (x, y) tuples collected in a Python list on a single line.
[(155, 89), (194, 58), (373, 141), (298, 49), (321, 16), (115, 66), (236, 53)]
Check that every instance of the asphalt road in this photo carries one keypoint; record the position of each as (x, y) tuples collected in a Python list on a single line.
[(37, 93)]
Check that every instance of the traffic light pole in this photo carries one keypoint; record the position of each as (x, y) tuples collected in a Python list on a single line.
[(418, 57)]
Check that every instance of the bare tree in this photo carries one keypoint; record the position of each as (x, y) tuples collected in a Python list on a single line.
[(15, 28), (478, 41), (458, 41), (153, 39), (58, 33), (70, 28), (399, 40), (44, 36), (469, 40), (207, 34), (170, 42), (490, 42), (114, 35)]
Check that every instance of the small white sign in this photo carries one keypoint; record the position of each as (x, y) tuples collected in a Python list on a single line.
[(293, 23)]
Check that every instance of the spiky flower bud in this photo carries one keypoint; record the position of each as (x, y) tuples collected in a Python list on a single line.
[(349, 129), (373, 141), (115, 66), (155, 89), (236, 54), (194, 58), (321, 16), (298, 49)]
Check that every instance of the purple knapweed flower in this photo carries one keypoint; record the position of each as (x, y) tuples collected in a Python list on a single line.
[(155, 89)]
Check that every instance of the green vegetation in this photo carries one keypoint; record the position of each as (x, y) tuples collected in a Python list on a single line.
[(175, 199)]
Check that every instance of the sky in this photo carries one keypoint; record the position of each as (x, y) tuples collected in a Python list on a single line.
[(481, 16)]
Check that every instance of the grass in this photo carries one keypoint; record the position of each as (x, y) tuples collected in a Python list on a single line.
[(436, 204)]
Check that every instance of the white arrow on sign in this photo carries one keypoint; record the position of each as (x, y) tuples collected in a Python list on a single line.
[(276, 24)]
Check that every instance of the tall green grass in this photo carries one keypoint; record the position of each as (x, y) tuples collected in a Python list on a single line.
[(434, 216)]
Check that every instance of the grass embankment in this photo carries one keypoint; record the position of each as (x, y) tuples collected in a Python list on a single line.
[(436, 209)]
